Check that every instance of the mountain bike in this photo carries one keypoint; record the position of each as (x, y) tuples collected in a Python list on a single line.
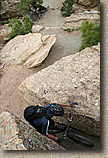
[(67, 131)]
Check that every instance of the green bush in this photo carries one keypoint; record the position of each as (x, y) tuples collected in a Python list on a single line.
[(90, 34), (0, 4), (68, 30), (4, 22), (67, 8), (20, 28), (99, 8), (30, 5)]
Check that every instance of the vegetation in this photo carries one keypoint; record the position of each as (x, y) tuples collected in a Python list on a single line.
[(90, 34), (20, 28), (99, 8), (67, 8), (30, 5), (0, 4), (68, 30), (4, 22)]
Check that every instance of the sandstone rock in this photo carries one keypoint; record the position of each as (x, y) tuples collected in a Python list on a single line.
[(75, 78), (1, 66), (4, 33), (28, 49), (9, 9), (88, 3), (37, 28), (75, 20), (15, 134)]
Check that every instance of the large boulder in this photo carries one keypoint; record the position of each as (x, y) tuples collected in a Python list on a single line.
[(75, 78), (74, 21), (9, 9), (88, 3), (15, 134), (30, 49)]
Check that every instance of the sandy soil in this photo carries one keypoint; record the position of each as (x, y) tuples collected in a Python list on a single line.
[(12, 75)]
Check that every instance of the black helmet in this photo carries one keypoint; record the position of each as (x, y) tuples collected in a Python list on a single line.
[(55, 109)]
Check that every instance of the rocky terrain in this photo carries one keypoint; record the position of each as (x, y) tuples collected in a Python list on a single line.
[(58, 74), (74, 78), (74, 21), (29, 50), (15, 134), (9, 9)]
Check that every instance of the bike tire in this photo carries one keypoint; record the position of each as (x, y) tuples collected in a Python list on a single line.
[(81, 140)]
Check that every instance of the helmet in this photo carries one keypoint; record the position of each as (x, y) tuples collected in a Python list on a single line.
[(56, 110)]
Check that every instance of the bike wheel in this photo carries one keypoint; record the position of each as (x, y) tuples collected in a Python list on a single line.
[(81, 140)]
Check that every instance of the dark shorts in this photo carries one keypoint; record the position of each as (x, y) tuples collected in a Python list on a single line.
[(43, 124), (51, 123)]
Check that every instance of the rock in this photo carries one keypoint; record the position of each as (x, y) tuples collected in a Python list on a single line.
[(15, 134), (75, 20), (1, 66), (28, 49), (75, 78), (88, 3), (9, 9), (37, 28), (5, 32)]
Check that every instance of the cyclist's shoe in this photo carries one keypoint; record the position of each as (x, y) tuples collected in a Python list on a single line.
[(60, 140), (73, 105)]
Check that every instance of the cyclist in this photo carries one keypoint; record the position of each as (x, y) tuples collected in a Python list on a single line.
[(44, 123)]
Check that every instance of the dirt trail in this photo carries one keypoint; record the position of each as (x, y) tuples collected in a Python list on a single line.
[(12, 75), (52, 18)]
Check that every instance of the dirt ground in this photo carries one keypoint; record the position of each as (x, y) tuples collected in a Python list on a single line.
[(11, 76)]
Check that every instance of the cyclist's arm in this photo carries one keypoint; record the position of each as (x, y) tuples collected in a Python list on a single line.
[(64, 104), (52, 137), (46, 106)]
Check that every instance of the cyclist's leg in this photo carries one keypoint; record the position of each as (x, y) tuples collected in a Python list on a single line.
[(55, 125), (52, 123)]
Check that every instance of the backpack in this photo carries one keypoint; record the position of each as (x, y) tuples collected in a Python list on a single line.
[(33, 112)]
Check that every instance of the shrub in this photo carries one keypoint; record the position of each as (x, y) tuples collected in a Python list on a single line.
[(67, 8), (68, 30), (99, 8), (4, 22), (20, 28), (0, 4), (30, 5), (90, 34)]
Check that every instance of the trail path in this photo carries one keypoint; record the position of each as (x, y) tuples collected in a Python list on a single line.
[(12, 75)]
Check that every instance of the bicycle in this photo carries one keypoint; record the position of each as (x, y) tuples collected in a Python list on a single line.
[(68, 132)]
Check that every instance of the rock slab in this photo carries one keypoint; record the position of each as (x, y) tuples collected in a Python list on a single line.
[(15, 134), (74, 21), (88, 3), (5, 32), (75, 78), (30, 49), (9, 9)]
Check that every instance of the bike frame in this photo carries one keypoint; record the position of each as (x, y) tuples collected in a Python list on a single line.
[(68, 132)]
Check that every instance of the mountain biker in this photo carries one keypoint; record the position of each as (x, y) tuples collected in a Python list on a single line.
[(44, 123)]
